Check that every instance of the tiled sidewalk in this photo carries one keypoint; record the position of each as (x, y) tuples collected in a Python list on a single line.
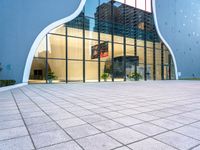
[(107, 116)]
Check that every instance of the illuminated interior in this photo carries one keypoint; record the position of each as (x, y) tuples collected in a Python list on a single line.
[(107, 39)]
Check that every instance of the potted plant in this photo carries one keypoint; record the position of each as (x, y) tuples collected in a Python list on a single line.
[(135, 76), (105, 76), (51, 76)]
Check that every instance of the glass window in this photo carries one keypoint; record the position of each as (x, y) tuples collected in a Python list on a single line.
[(118, 50), (105, 31), (130, 2), (38, 70), (56, 46), (75, 27), (129, 50), (106, 67), (148, 5), (91, 28), (140, 4), (130, 41), (158, 57), (140, 53), (149, 56), (107, 55), (104, 10), (75, 71), (57, 68), (166, 57), (59, 30), (91, 71), (75, 48), (158, 72), (41, 50), (140, 43), (91, 8), (91, 50), (149, 73)]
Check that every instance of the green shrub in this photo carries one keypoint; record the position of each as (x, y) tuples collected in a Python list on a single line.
[(135, 76), (7, 82), (105, 76)]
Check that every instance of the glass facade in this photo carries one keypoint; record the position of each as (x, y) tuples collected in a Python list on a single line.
[(113, 37)]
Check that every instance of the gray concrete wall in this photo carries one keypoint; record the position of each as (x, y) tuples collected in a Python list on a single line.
[(179, 23), (20, 23)]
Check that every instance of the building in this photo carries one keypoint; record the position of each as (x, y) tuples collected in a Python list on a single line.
[(101, 36)]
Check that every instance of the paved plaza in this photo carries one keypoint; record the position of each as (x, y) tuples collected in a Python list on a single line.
[(160, 115)]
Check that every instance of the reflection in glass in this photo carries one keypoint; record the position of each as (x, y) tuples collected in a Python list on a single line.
[(75, 71), (56, 46), (75, 48), (38, 70), (91, 71), (100, 36), (58, 68), (41, 50)]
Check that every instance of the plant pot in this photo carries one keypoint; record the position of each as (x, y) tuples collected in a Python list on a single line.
[(137, 79), (50, 81), (105, 80)]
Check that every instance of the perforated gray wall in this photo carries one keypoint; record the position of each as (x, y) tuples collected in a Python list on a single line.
[(179, 23)]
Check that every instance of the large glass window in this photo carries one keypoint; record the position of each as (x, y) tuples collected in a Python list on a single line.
[(75, 48), (56, 46), (111, 37)]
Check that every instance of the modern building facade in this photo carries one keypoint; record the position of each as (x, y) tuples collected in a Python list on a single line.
[(113, 37), (100, 36)]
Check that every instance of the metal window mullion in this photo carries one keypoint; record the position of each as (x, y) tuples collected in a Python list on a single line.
[(135, 41), (47, 47), (145, 50), (83, 47), (162, 61), (124, 20), (112, 40), (154, 58), (66, 51), (170, 67), (99, 42)]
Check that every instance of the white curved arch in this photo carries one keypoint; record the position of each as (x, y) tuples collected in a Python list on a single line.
[(163, 39), (43, 34)]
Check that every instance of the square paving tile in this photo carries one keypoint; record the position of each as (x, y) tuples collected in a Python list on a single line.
[(112, 115), (148, 129), (93, 118), (126, 135), (49, 138), (21, 143), (177, 140), (13, 133), (107, 125), (189, 131), (145, 117), (11, 124), (37, 120), (150, 144), (181, 119), (98, 142), (123, 148), (70, 122), (82, 131), (39, 128), (196, 124), (127, 121), (64, 146), (168, 124)]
